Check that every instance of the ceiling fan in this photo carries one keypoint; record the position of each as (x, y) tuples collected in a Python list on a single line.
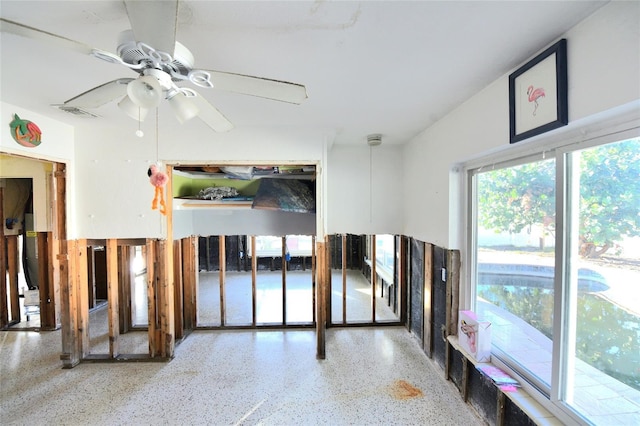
[(164, 65)]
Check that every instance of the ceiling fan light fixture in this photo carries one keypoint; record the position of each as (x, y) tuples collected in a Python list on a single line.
[(132, 110), (183, 107), (145, 92)]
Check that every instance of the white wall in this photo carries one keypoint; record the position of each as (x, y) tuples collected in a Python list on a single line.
[(112, 164), (252, 222), (56, 145), (603, 73), (361, 202)]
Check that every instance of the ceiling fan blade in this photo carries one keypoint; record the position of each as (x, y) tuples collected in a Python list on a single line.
[(50, 38), (210, 114), (100, 95), (154, 23), (257, 86)]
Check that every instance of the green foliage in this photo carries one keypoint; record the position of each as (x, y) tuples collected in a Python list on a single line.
[(517, 198), (609, 195)]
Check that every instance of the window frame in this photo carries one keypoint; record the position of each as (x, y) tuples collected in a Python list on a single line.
[(561, 145)]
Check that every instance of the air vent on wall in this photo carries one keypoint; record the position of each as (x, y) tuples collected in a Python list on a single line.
[(75, 111)]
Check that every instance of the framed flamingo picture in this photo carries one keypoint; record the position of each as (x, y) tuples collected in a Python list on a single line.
[(538, 94)]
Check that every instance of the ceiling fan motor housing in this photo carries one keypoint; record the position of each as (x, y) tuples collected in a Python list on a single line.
[(134, 53)]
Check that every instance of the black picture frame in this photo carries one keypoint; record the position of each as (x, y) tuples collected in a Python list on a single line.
[(538, 94)]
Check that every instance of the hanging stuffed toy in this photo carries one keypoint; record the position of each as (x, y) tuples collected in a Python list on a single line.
[(158, 179)]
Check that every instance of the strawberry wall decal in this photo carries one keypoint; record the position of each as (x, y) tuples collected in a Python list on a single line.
[(25, 132)]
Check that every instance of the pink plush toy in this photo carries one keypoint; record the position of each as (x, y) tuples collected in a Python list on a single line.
[(158, 179)]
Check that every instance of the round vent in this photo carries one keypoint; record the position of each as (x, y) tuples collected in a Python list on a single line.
[(374, 140)]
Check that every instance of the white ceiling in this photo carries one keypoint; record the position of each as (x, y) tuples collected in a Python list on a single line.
[(389, 67)]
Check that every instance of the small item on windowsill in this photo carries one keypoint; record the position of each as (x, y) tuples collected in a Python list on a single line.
[(505, 382), (474, 336)]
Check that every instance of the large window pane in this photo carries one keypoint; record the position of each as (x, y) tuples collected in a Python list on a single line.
[(603, 331), (515, 263)]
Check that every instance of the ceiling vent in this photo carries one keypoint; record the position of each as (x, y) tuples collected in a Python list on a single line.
[(75, 111)]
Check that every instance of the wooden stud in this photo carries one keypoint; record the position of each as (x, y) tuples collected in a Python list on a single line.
[(374, 277), (80, 275), (123, 262), (189, 280), (169, 329), (113, 294), (151, 297), (222, 276), (47, 298), (344, 277), (454, 276), (53, 245), (321, 295), (447, 361), (70, 355), (91, 275), (464, 388), (178, 285), (12, 271), (4, 309), (428, 334), (500, 408), (404, 273), (165, 303), (254, 271), (284, 280)]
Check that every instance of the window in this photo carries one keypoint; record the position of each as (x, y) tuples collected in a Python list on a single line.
[(556, 269), (385, 252)]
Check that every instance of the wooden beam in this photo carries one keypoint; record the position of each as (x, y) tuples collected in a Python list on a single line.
[(427, 331), (45, 282), (123, 262), (321, 295), (178, 284), (453, 284), (151, 298), (12, 271), (113, 297), (91, 275), (80, 276), (404, 273), (284, 280), (190, 279), (254, 272), (4, 309), (500, 408), (464, 388), (222, 275), (70, 354), (169, 329), (343, 264), (164, 302), (374, 278)]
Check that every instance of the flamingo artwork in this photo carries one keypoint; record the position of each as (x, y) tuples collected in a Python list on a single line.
[(534, 95), (158, 179)]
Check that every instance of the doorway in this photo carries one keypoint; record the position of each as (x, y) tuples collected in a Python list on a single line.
[(32, 226)]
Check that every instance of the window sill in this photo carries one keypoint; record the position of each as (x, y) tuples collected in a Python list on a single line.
[(533, 409)]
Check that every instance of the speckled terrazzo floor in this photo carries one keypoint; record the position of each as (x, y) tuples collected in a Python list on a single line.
[(372, 376)]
